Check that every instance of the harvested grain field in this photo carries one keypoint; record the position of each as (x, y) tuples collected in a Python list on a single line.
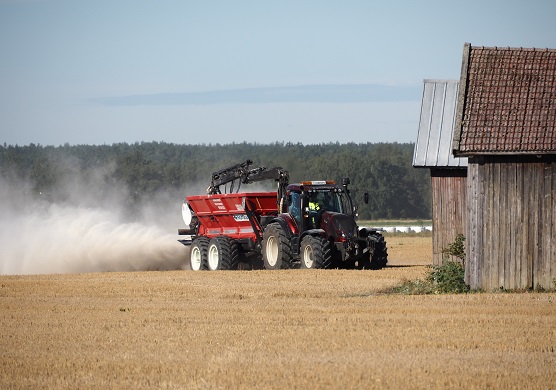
[(270, 329)]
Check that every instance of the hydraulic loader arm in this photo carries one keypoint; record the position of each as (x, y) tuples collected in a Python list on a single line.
[(245, 175), (279, 175), (228, 175)]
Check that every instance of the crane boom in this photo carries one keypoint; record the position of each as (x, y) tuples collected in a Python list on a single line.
[(244, 175)]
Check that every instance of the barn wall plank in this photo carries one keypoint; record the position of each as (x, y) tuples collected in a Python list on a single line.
[(536, 228), (471, 235), (497, 269), (541, 261), (535, 212), (544, 277), (488, 233), (481, 222), (512, 221), (436, 215), (552, 251), (526, 249), (522, 176)]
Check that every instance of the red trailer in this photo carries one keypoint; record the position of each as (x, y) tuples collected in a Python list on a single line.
[(226, 214), (226, 220)]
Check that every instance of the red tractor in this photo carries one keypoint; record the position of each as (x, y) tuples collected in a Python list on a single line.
[(309, 224)]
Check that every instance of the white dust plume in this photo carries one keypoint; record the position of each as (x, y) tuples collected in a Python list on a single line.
[(92, 235)]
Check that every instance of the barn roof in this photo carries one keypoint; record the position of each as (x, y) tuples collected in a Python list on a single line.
[(434, 137), (508, 102)]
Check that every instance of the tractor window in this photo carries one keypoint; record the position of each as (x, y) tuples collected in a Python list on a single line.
[(328, 200), (294, 206), (344, 202)]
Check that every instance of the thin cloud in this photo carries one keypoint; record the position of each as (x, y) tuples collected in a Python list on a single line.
[(332, 93)]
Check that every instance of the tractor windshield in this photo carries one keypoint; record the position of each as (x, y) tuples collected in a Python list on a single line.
[(329, 200), (319, 200)]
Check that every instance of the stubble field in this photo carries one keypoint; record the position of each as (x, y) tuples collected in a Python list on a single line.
[(271, 329)]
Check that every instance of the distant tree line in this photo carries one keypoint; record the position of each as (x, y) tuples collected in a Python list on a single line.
[(384, 170)]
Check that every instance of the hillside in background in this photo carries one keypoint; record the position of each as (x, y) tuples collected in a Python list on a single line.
[(146, 169)]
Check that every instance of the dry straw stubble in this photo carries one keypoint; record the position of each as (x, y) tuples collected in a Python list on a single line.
[(262, 329)]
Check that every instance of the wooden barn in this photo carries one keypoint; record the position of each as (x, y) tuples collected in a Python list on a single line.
[(433, 150), (506, 126)]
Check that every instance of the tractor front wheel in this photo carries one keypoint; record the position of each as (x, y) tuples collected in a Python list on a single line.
[(379, 258), (315, 253), (378, 254), (276, 248)]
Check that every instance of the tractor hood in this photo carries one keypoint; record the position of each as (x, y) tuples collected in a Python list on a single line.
[(338, 225)]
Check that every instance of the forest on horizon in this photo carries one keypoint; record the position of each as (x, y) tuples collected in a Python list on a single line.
[(384, 170)]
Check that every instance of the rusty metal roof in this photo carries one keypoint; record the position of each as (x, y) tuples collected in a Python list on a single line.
[(434, 137), (508, 102)]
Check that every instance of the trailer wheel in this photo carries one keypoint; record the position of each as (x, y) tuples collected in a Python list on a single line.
[(277, 251), (315, 253), (198, 254), (223, 254)]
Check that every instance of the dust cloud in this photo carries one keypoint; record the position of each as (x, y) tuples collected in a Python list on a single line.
[(95, 228)]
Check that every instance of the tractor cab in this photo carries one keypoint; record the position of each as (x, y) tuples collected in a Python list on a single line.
[(309, 201)]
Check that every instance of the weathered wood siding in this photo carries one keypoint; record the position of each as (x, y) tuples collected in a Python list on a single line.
[(449, 189), (511, 235)]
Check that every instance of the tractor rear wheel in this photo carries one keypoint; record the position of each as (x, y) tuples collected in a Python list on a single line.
[(277, 251), (198, 254), (315, 253), (222, 254)]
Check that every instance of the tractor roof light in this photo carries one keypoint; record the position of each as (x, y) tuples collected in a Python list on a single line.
[(318, 182)]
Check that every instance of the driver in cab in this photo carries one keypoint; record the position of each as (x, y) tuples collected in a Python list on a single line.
[(318, 203)]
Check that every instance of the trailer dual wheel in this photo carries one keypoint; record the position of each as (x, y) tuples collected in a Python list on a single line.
[(277, 251), (315, 253), (198, 254), (223, 254)]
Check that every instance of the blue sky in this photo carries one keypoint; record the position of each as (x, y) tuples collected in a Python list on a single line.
[(99, 72)]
